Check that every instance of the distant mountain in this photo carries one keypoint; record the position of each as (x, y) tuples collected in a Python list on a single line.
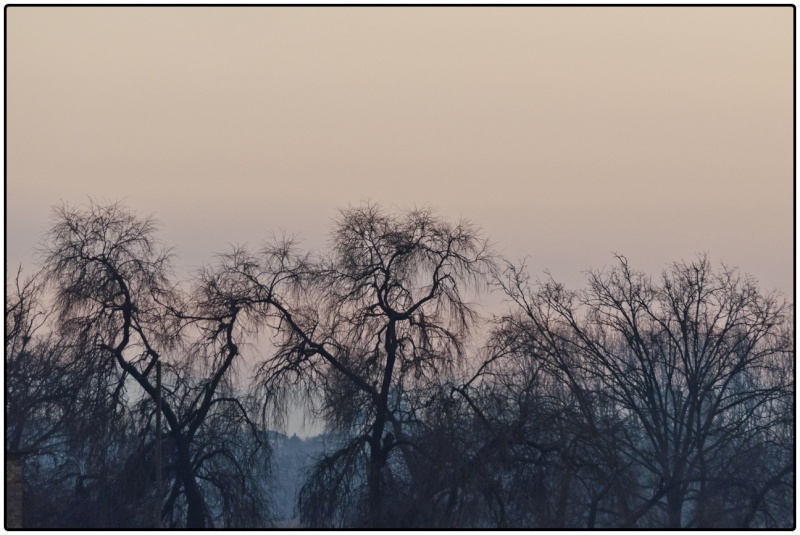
[(292, 458)]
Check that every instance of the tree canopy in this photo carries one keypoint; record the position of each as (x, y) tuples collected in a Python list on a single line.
[(640, 402)]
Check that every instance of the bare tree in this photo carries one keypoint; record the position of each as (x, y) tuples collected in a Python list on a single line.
[(114, 298), (695, 365), (60, 408), (553, 443), (33, 369), (379, 314), (632, 403)]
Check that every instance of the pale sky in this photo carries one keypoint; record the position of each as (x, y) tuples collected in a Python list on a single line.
[(566, 133)]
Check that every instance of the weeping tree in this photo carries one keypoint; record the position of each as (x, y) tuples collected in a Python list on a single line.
[(59, 408), (360, 328), (115, 300), (39, 394)]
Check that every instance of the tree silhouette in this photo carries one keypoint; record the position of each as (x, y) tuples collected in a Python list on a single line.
[(695, 366), (632, 403), (114, 297), (378, 315)]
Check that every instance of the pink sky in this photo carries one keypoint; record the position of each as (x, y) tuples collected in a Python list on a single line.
[(566, 133)]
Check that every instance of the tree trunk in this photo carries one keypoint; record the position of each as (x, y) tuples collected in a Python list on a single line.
[(195, 513), (378, 454), (195, 506), (674, 509), (374, 484)]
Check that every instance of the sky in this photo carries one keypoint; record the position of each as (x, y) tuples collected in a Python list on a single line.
[(567, 134)]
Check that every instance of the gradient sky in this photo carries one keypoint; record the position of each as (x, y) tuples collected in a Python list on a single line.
[(565, 133)]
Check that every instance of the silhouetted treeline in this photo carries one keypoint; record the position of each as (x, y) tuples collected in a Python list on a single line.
[(649, 402)]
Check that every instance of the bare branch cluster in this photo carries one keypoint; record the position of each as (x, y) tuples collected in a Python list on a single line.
[(636, 402)]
